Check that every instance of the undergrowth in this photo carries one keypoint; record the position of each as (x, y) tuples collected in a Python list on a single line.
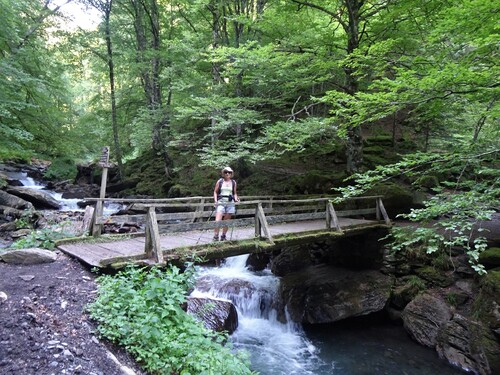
[(141, 310)]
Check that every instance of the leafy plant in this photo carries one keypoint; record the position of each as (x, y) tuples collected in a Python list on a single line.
[(44, 238), (451, 298), (460, 203), (141, 310), (61, 169), (23, 222), (416, 284)]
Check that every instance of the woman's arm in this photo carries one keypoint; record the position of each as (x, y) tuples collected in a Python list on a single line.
[(235, 197)]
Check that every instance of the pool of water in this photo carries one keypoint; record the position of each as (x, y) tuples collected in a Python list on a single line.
[(364, 347)]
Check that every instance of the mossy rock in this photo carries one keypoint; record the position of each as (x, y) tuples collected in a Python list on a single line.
[(372, 160), (429, 181), (396, 197), (434, 276), (375, 149), (406, 145), (487, 304), (381, 140), (407, 288), (486, 308), (490, 258), (317, 182)]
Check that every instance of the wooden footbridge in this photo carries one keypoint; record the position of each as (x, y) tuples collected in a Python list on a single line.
[(174, 230)]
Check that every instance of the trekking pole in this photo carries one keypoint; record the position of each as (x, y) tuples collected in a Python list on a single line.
[(209, 217), (232, 227)]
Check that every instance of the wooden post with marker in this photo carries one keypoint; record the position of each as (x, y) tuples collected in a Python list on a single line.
[(104, 163)]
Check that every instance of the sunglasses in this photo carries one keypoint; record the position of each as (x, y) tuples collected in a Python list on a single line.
[(226, 172)]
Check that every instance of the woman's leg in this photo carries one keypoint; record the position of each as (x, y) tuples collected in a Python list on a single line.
[(218, 217), (225, 229)]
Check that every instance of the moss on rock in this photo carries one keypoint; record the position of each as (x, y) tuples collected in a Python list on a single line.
[(434, 276), (397, 198), (487, 304), (406, 289), (490, 258)]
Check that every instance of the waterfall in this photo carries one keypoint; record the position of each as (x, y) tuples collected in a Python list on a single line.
[(70, 204), (274, 347)]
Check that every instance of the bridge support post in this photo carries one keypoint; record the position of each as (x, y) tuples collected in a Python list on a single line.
[(261, 223), (152, 245), (382, 212), (199, 210), (331, 217)]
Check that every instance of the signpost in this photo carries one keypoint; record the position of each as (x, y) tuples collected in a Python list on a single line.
[(104, 163)]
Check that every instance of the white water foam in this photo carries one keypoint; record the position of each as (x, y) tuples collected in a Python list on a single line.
[(66, 204), (274, 347)]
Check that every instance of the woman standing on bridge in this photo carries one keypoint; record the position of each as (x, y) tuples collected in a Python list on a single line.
[(225, 195)]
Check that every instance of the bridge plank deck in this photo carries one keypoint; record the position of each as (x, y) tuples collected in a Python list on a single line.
[(102, 253)]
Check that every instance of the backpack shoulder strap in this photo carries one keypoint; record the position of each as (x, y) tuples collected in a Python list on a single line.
[(234, 184), (220, 185)]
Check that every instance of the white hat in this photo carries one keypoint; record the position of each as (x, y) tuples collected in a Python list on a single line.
[(228, 169)]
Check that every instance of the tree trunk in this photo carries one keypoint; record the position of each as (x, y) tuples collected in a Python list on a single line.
[(106, 6), (354, 149), (147, 29), (109, 47)]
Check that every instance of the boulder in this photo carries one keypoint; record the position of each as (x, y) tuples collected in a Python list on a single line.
[(85, 173), (39, 198), (217, 315), (28, 256), (291, 259), (406, 289), (469, 345), (13, 201), (325, 294), (8, 227), (424, 317), (23, 232), (257, 261), (9, 212), (490, 258), (225, 286), (487, 304), (435, 277)]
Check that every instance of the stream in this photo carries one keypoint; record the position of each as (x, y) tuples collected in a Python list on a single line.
[(353, 348), (66, 204)]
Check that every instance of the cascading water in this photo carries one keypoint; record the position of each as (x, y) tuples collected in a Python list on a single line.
[(278, 349), (66, 204), (274, 347)]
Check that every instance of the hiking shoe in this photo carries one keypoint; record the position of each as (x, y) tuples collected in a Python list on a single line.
[(216, 238), (223, 237)]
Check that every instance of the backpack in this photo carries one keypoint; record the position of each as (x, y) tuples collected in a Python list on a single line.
[(221, 180)]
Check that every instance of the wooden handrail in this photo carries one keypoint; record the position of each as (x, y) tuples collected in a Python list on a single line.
[(269, 198), (265, 212)]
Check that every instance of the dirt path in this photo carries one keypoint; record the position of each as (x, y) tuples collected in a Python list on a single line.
[(44, 328)]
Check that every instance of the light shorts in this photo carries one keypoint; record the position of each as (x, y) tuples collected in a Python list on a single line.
[(227, 208)]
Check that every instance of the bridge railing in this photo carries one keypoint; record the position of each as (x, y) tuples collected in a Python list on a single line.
[(161, 216)]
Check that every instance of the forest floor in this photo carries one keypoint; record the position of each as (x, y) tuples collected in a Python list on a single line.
[(44, 325)]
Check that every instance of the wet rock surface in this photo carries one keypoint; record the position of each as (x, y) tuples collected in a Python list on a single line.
[(216, 314)]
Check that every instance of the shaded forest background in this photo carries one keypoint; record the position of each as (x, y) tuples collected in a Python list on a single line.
[(295, 95)]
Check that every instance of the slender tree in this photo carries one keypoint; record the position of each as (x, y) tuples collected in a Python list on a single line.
[(106, 6)]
